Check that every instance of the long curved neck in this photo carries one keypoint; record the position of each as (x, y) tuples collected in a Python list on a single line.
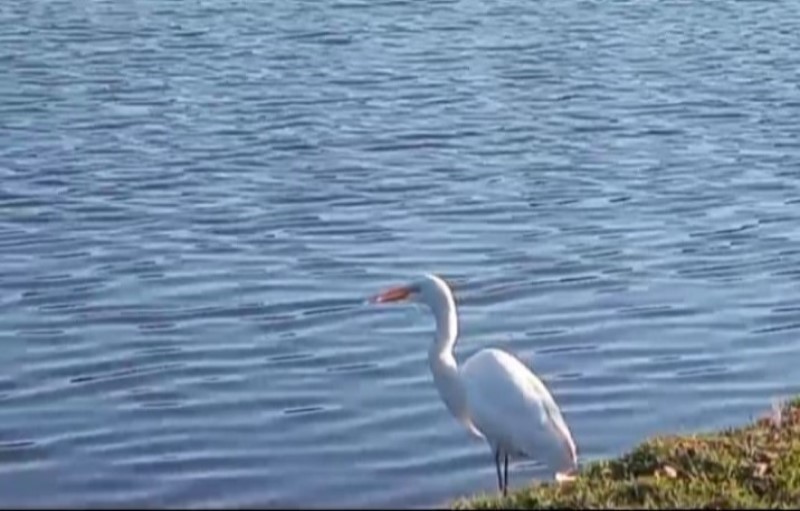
[(444, 311), (441, 358)]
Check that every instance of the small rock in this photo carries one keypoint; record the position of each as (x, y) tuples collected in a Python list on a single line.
[(563, 477)]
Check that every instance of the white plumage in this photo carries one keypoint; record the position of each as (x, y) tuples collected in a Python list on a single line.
[(494, 395)]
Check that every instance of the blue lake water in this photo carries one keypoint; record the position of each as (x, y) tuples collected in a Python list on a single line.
[(196, 197)]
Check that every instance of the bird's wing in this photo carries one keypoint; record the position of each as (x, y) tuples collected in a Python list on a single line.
[(554, 418), (513, 408)]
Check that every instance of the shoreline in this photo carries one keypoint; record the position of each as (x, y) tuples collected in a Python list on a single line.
[(753, 465)]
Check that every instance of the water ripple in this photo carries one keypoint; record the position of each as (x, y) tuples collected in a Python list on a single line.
[(195, 203)]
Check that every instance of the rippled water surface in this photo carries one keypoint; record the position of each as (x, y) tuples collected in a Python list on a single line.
[(196, 197)]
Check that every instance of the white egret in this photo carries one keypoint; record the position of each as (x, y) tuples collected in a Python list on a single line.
[(492, 394)]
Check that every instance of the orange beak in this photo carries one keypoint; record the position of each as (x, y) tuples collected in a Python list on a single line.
[(395, 294)]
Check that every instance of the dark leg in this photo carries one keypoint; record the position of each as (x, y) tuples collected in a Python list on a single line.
[(497, 466), (505, 477)]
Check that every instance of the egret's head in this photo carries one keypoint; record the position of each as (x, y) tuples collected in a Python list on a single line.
[(429, 289)]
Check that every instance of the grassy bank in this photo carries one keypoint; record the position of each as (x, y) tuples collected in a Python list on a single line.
[(757, 465)]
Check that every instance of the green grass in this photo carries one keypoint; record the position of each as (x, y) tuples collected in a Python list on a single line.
[(755, 466)]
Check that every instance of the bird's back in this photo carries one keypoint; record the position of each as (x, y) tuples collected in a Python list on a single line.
[(514, 410)]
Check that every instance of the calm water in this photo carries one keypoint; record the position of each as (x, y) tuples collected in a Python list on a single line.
[(196, 197)]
